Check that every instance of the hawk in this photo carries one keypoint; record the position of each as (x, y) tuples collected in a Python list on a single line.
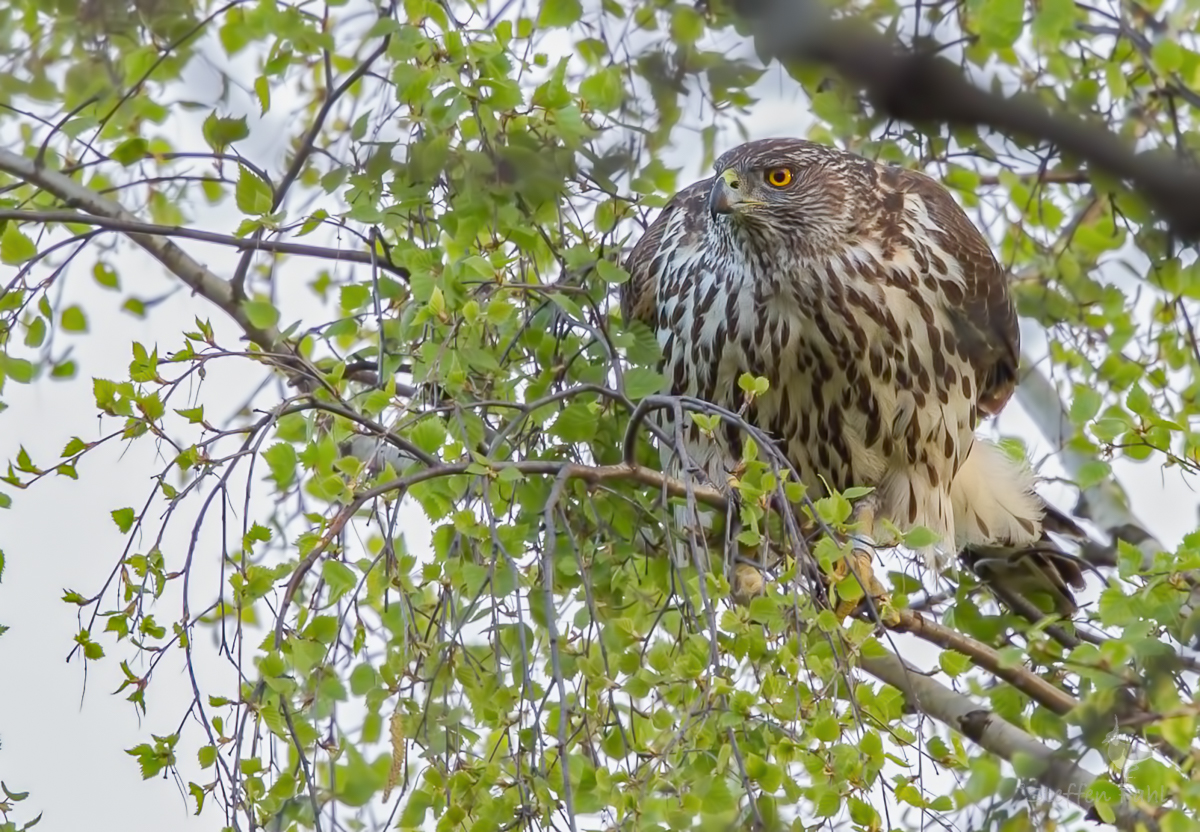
[(884, 324)]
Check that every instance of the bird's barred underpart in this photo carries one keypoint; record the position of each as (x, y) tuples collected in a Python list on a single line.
[(880, 317)]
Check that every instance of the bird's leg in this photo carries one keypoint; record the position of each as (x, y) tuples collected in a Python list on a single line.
[(744, 563), (854, 576)]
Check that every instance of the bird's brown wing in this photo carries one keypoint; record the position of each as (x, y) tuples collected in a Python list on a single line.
[(683, 215), (985, 318)]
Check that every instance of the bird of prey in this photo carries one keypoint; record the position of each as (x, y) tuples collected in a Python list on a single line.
[(885, 327)]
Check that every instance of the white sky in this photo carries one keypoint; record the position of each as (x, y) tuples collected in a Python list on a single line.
[(64, 745)]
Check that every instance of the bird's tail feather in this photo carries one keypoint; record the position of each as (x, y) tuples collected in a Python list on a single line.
[(993, 499), (1040, 570), (1003, 529)]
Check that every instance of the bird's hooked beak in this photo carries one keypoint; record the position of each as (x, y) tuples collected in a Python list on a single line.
[(725, 195)]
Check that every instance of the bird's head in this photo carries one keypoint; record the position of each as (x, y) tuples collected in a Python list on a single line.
[(786, 188)]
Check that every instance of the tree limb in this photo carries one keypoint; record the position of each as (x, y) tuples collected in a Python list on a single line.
[(1021, 678), (1061, 775), (920, 86), (242, 243), (202, 281)]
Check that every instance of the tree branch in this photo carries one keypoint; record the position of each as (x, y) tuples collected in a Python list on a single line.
[(242, 243), (593, 475), (202, 281), (920, 86), (1061, 775), (1021, 678), (305, 149)]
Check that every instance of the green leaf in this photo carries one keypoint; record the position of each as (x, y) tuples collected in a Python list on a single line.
[(323, 629), (1053, 19), (1180, 731), (1085, 404), (984, 779), (919, 537), (124, 518), (258, 533), (281, 459), (641, 382), (261, 314), (611, 273), (194, 415), (18, 369), (253, 195), (429, 434), (575, 423), (604, 91), (74, 320), (1093, 472), (15, 247), (687, 25), (262, 89), (363, 679), (1000, 22), (827, 729), (340, 578), (130, 151), (36, 334), (355, 296), (222, 132), (76, 445), (954, 664), (1167, 55), (1138, 401), (559, 13), (306, 655)]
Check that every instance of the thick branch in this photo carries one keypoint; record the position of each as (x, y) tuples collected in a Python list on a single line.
[(1059, 774), (918, 87), (202, 281), (1021, 678)]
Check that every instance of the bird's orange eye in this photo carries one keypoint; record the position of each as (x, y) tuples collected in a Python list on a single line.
[(779, 177)]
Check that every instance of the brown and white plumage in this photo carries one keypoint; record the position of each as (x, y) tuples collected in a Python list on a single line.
[(879, 315)]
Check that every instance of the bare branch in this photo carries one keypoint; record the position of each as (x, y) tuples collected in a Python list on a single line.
[(242, 243)]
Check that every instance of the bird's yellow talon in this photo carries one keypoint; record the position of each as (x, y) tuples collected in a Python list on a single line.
[(863, 580), (746, 583)]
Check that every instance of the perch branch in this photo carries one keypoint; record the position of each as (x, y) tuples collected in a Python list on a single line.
[(1021, 678), (1060, 774)]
